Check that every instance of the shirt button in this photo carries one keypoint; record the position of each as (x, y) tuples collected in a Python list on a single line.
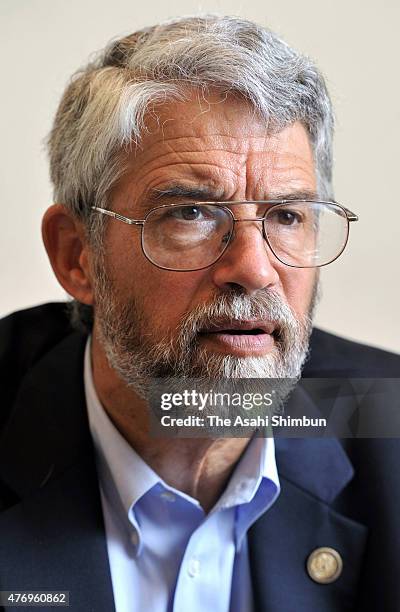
[(168, 496), (194, 568)]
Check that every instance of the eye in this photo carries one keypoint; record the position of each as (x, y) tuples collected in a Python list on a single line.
[(196, 216), (287, 217), (188, 213)]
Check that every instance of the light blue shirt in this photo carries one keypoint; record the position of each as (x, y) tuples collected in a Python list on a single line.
[(165, 552)]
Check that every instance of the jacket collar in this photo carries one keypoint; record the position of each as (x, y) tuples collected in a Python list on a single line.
[(318, 465)]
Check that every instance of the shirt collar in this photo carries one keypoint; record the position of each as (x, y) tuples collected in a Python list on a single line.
[(254, 485), (131, 475), (256, 463), (252, 489)]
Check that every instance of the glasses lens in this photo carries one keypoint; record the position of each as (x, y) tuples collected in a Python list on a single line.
[(186, 237), (306, 234)]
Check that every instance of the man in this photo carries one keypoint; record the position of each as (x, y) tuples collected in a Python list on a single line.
[(191, 164)]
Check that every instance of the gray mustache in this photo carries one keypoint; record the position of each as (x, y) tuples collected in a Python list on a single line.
[(226, 308)]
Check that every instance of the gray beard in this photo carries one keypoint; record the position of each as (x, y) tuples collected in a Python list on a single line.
[(141, 362)]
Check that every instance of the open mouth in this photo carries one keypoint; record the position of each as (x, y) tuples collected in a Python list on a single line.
[(239, 332), (240, 338)]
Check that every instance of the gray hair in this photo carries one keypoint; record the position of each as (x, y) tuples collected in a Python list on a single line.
[(103, 110)]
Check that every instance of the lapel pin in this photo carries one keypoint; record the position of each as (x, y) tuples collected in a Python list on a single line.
[(324, 565)]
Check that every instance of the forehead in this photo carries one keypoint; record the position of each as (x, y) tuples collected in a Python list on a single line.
[(220, 145)]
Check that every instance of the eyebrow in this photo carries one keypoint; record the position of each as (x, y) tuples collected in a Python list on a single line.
[(206, 193), (182, 191), (304, 194)]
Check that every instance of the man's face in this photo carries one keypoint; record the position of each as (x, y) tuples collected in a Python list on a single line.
[(186, 323)]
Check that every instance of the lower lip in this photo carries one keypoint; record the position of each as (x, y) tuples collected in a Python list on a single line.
[(241, 345)]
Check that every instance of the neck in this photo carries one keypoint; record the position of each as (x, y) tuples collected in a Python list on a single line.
[(200, 467)]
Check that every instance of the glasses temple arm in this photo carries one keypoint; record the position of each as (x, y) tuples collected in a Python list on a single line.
[(115, 215), (350, 215)]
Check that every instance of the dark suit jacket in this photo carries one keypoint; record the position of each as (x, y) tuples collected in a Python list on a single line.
[(343, 495)]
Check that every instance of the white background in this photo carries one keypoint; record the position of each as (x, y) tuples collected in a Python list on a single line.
[(354, 42)]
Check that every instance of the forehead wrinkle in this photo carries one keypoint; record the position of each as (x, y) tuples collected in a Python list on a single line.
[(207, 143), (180, 155), (201, 172), (186, 164), (199, 169), (233, 162), (242, 145), (224, 179), (190, 159), (294, 172), (206, 174)]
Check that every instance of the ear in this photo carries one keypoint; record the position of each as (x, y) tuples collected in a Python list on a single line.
[(68, 251)]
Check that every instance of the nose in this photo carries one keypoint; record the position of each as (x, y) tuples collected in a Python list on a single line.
[(248, 262)]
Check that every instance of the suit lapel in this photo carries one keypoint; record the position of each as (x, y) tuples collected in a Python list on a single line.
[(312, 473), (47, 458)]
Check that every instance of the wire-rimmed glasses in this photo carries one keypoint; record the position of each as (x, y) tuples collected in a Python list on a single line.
[(192, 236)]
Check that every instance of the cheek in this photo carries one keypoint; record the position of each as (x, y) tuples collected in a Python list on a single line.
[(298, 285), (166, 297), (161, 296)]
